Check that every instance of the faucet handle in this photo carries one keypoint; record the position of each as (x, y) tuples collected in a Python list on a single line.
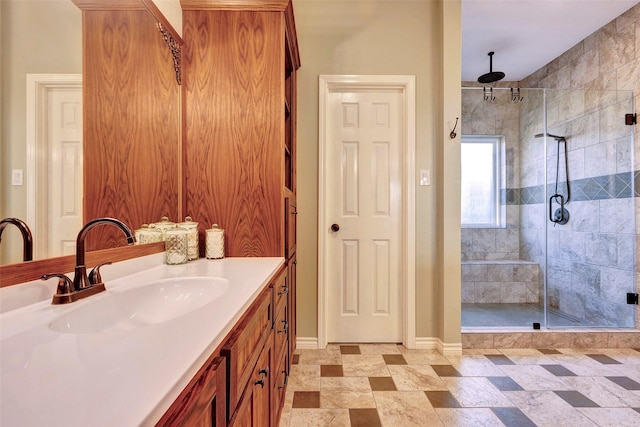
[(94, 276), (65, 285)]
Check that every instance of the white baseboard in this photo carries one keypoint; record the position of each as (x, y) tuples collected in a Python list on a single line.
[(306, 343), (425, 343), (432, 343), (450, 349)]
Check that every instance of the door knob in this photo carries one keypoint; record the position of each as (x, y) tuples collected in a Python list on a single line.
[(335, 227)]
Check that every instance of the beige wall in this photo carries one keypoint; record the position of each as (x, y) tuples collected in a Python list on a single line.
[(38, 36), (388, 37)]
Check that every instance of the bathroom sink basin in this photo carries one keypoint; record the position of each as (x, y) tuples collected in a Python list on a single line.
[(153, 303)]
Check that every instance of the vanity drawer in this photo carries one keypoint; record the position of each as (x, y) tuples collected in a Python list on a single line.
[(281, 331), (280, 291), (244, 346)]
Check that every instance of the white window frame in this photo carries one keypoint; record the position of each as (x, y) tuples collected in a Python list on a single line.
[(498, 171)]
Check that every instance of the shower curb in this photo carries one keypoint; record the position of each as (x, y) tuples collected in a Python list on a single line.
[(550, 339)]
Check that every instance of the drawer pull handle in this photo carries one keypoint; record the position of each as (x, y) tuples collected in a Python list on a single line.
[(284, 329), (265, 373), (284, 384), (285, 289)]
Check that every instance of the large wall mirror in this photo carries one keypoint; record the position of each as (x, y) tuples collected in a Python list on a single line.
[(127, 165)]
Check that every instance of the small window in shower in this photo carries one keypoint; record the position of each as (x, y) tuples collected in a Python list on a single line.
[(481, 172)]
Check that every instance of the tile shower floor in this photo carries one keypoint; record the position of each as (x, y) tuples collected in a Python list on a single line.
[(513, 315), (388, 385)]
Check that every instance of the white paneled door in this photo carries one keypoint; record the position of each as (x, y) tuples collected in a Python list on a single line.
[(64, 126), (363, 170)]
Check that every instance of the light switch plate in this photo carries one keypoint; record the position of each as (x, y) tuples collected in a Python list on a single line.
[(425, 177), (17, 177)]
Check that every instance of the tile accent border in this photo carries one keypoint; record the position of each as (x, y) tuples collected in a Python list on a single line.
[(542, 339), (551, 339), (615, 186)]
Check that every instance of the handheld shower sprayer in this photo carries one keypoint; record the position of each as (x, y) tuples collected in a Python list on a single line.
[(561, 214)]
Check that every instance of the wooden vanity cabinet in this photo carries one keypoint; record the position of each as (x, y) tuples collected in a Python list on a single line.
[(203, 402), (236, 386)]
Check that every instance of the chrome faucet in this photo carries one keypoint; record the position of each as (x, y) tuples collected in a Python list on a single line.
[(27, 251), (82, 285)]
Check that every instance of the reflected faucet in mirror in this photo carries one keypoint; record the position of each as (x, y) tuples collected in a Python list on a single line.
[(82, 285), (27, 252)]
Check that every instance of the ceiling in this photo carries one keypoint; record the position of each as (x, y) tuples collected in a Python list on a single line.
[(527, 34)]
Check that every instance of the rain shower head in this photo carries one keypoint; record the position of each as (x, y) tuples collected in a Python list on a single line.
[(556, 137), (491, 76)]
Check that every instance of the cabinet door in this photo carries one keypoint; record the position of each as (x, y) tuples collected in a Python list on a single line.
[(243, 347), (203, 402), (290, 226), (291, 306), (262, 388), (254, 408)]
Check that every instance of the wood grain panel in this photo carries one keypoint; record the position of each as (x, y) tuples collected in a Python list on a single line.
[(131, 122), (14, 274), (234, 67)]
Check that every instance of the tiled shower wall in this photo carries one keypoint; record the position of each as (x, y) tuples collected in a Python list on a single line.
[(499, 117), (591, 261)]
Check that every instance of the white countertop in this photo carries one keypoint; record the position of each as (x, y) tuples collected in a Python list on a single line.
[(117, 377)]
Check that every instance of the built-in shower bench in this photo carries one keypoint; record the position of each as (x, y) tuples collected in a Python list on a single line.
[(501, 281)]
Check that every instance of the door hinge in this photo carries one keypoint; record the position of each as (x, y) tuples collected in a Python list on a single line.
[(630, 119), (632, 298)]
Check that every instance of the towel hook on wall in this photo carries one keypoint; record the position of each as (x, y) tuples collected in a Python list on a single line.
[(515, 95), (453, 133), (488, 94)]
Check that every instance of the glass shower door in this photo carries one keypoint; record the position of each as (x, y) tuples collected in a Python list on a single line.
[(589, 209)]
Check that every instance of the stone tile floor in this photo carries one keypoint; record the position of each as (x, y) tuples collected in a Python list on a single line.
[(389, 385)]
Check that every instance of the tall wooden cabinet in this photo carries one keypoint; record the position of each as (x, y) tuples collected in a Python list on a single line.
[(239, 152), (239, 64)]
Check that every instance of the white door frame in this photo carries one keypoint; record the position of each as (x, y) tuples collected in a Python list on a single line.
[(38, 87), (406, 84)]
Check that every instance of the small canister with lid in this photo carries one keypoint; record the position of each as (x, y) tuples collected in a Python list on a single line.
[(192, 237), (147, 234), (164, 225), (176, 246), (215, 242)]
